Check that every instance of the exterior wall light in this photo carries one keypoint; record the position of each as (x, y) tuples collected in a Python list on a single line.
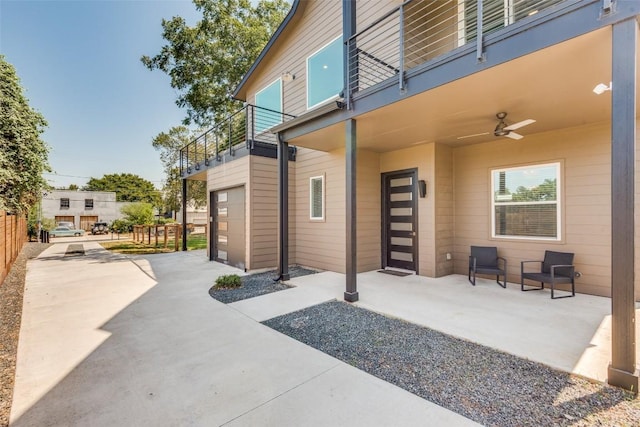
[(287, 76), (602, 88)]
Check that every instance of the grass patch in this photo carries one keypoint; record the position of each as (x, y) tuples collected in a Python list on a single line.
[(194, 242)]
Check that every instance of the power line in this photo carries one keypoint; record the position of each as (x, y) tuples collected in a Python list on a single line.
[(86, 177)]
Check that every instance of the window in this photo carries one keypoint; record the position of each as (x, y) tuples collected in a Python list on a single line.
[(316, 198), (269, 103), (64, 203), (88, 203), (325, 73), (526, 202), (498, 14)]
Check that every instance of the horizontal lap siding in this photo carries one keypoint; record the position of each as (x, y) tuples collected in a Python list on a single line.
[(264, 213), (320, 244), (320, 23), (586, 186), (368, 210), (444, 220)]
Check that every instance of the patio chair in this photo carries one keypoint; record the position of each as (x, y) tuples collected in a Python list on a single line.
[(485, 260), (557, 267)]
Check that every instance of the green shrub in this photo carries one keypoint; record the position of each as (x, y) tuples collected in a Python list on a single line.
[(228, 281)]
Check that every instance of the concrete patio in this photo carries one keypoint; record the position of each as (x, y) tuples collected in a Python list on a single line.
[(570, 334), (108, 340)]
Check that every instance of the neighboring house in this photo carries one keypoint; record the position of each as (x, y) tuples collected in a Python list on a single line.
[(82, 208), (404, 159)]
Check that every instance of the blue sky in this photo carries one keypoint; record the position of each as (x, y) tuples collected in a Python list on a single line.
[(79, 63)]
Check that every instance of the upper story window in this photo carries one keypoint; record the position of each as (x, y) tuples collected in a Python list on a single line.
[(526, 202), (269, 103), (497, 14), (325, 73), (88, 203), (64, 203)]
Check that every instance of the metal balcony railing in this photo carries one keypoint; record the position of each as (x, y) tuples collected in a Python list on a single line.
[(241, 129), (420, 30)]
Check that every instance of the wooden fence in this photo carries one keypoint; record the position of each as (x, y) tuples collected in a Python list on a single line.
[(13, 235), (158, 233)]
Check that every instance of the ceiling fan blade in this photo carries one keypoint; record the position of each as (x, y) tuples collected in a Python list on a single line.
[(520, 124), (514, 135), (471, 136)]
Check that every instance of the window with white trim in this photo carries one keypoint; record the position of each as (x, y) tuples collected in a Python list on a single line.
[(269, 106), (525, 202), (316, 198), (325, 73)]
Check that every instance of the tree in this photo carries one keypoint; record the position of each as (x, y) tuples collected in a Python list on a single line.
[(138, 213), (23, 155), (169, 145), (128, 188), (207, 61)]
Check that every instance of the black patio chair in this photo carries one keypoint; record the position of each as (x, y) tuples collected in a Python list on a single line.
[(485, 260), (557, 267)]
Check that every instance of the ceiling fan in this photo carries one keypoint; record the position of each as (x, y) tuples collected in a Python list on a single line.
[(502, 129)]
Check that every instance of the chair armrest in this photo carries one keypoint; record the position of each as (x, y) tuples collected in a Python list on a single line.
[(472, 262), (571, 267), (522, 263), (504, 263)]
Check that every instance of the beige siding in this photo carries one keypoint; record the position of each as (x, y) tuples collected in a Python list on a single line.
[(320, 24), (263, 219), (369, 217), (421, 157), (367, 11), (585, 155), (444, 212), (320, 244)]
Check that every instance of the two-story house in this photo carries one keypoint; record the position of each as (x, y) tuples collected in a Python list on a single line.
[(424, 127)]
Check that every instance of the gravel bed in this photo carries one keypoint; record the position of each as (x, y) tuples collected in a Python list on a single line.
[(11, 293), (486, 385), (258, 284)]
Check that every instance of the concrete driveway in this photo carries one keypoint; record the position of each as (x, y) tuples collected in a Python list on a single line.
[(111, 340)]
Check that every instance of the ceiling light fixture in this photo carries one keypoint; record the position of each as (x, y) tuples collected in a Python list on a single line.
[(602, 88)]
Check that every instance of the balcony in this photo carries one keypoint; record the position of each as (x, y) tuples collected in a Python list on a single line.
[(419, 31), (247, 129)]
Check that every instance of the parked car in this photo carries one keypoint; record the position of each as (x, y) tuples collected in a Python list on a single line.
[(100, 228), (65, 232), (66, 224)]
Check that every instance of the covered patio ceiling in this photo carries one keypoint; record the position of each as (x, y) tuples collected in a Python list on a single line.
[(553, 86)]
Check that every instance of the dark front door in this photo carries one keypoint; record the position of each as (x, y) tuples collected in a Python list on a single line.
[(399, 219), (228, 244)]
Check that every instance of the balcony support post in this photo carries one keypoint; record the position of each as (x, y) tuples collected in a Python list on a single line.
[(623, 370), (348, 30), (184, 216), (479, 35), (351, 293), (401, 49), (283, 209)]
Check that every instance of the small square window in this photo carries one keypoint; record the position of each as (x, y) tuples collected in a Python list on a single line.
[(88, 203), (316, 198), (64, 203)]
